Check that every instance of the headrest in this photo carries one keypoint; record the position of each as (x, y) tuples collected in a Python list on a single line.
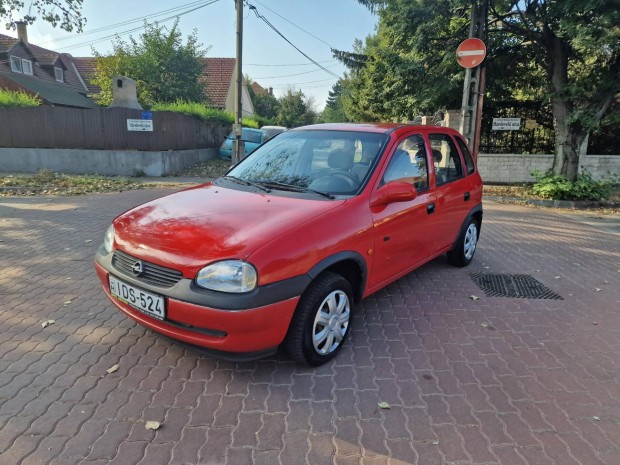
[(437, 156), (341, 159)]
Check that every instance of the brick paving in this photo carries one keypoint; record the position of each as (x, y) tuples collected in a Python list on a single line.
[(488, 381)]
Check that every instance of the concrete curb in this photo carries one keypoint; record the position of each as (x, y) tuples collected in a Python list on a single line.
[(575, 204)]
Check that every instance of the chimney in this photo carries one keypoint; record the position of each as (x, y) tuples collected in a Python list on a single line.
[(22, 31), (271, 91)]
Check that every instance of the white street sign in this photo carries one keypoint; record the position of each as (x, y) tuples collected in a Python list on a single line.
[(140, 125), (469, 53), (506, 124)]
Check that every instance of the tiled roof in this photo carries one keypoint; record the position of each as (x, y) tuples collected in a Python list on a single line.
[(258, 89), (87, 66), (52, 92), (217, 75)]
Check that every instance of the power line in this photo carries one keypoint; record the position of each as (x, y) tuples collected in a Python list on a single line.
[(290, 64), (306, 82), (291, 22), (290, 75), (266, 21)]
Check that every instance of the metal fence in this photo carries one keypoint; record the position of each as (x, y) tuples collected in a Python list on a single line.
[(104, 129)]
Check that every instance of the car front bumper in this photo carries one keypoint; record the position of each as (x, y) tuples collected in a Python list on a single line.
[(245, 333)]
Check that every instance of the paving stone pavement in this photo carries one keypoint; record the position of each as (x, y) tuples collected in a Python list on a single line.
[(489, 381)]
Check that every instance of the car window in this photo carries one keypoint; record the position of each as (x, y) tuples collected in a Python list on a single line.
[(446, 159), (469, 161), (255, 137), (408, 163), (319, 159)]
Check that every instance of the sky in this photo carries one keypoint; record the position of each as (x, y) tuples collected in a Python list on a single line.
[(314, 26)]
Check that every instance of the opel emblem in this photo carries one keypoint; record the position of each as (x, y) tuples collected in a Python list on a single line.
[(137, 268)]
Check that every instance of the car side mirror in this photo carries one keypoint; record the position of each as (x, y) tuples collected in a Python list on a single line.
[(392, 192)]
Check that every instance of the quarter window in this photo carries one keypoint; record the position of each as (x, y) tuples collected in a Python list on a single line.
[(16, 64), (408, 163), (469, 161), (446, 159), (27, 67)]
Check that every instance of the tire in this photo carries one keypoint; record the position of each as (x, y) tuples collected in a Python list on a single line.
[(465, 248), (321, 321)]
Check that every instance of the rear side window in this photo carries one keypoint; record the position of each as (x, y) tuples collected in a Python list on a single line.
[(469, 161), (446, 159)]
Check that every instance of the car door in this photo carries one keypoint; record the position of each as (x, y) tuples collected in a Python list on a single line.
[(404, 231), (451, 189)]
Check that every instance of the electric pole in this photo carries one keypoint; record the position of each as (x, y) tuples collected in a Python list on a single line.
[(239, 146), (473, 88)]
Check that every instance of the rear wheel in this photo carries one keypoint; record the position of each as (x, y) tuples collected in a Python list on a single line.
[(465, 246), (321, 322)]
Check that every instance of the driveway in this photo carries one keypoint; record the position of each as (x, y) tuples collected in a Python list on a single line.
[(469, 378)]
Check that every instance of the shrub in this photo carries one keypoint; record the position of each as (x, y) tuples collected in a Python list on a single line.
[(558, 187), (203, 113), (17, 99)]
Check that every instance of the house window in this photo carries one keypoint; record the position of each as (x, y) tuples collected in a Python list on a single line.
[(60, 77), (16, 64), (27, 67)]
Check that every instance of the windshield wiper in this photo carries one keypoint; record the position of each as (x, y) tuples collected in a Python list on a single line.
[(245, 182), (295, 188)]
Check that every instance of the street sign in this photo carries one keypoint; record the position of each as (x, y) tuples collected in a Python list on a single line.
[(147, 115), (471, 52), (140, 125), (506, 124)]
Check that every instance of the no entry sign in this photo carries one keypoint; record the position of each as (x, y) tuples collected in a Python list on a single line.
[(470, 53)]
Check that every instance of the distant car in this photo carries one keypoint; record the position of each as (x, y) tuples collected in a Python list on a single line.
[(273, 130), (279, 250), (252, 138)]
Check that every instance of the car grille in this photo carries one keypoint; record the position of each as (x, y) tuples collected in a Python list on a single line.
[(151, 273)]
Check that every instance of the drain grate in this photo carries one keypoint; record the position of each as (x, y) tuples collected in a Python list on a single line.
[(521, 286)]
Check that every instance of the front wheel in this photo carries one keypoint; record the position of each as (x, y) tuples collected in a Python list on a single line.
[(465, 247), (321, 322)]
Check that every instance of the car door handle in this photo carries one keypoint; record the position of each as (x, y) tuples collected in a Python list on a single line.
[(466, 196), (430, 208)]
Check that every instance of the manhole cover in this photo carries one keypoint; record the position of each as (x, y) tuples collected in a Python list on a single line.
[(521, 286)]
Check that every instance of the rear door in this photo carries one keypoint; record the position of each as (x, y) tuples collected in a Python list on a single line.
[(404, 231), (452, 189)]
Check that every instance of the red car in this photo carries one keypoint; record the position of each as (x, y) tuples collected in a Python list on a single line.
[(278, 251)]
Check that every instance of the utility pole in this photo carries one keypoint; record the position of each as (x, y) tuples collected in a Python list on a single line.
[(473, 88), (238, 151)]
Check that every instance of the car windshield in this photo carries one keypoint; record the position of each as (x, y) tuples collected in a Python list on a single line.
[(248, 136), (330, 162)]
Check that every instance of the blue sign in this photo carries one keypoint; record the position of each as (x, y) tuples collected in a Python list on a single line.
[(147, 115)]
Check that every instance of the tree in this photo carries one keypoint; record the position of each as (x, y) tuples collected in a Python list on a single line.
[(165, 69), (295, 109), (64, 13), (334, 111), (266, 105), (566, 53)]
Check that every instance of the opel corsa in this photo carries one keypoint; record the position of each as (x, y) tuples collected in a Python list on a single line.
[(279, 250)]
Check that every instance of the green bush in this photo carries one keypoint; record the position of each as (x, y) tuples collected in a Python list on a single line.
[(203, 113), (558, 187), (17, 99)]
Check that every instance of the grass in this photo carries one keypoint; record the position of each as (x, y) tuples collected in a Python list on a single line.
[(17, 99), (46, 182), (203, 113)]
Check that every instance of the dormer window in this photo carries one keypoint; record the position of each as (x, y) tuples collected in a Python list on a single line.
[(60, 76), (27, 67), (16, 64)]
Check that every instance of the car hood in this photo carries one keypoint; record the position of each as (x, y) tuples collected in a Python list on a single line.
[(192, 228)]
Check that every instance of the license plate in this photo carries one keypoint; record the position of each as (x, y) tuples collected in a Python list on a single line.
[(150, 304)]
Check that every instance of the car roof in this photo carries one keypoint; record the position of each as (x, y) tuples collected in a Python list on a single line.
[(381, 128)]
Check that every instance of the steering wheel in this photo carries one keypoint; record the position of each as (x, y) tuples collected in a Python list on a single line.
[(350, 178)]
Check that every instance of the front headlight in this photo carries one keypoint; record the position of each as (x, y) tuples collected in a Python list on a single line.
[(108, 240), (228, 276)]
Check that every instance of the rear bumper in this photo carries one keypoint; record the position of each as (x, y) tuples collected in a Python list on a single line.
[(238, 334)]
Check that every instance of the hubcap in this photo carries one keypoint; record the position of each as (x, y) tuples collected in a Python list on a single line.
[(471, 238), (331, 322)]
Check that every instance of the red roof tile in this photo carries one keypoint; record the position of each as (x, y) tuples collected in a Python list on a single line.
[(87, 66), (217, 75)]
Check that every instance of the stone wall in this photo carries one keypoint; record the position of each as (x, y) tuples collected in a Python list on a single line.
[(512, 168)]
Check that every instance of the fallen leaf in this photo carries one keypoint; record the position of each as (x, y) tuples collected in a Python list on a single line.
[(112, 369), (557, 277), (88, 240), (595, 323), (474, 297), (152, 425), (435, 443), (537, 271), (384, 405), (484, 325), (487, 267), (596, 418), (66, 302), (46, 323), (597, 289)]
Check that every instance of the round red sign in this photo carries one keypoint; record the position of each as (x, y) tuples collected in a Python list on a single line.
[(470, 53)]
